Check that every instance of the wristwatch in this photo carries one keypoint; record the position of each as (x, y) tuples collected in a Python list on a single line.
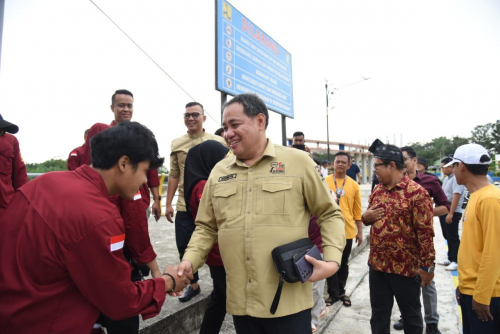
[(430, 270), (157, 198)]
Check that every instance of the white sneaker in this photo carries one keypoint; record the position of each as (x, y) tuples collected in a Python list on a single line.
[(445, 262), (452, 266), (314, 329)]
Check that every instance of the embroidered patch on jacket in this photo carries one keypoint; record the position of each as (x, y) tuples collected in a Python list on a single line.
[(277, 168), (319, 172), (227, 177), (117, 242)]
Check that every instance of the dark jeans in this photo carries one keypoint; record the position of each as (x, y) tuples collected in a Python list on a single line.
[(450, 233), (383, 288), (216, 310), (298, 323), (337, 282), (184, 228), (471, 322)]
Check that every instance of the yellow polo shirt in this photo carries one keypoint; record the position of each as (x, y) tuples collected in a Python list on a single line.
[(253, 209), (179, 149), (350, 203), (478, 255)]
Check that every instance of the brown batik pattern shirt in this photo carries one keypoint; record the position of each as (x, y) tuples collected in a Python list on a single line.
[(402, 240)]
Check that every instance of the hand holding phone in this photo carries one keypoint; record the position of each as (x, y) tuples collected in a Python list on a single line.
[(302, 266)]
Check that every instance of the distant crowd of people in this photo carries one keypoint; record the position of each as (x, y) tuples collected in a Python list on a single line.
[(76, 248)]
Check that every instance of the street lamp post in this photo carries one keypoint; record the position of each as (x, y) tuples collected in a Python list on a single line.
[(327, 130), (327, 126)]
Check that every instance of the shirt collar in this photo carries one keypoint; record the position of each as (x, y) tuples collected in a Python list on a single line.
[(94, 177), (113, 123), (268, 152), (418, 177), (401, 184), (200, 135)]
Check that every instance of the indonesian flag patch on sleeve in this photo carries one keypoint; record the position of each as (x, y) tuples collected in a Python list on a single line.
[(116, 243), (74, 154), (137, 195)]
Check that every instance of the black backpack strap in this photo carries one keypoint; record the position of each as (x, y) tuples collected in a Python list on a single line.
[(276, 300)]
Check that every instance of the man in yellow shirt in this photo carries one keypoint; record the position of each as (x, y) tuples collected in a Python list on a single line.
[(349, 197), (184, 224), (478, 291), (255, 200)]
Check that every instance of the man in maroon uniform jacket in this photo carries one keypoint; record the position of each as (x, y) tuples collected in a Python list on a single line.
[(63, 263), (12, 168), (75, 156)]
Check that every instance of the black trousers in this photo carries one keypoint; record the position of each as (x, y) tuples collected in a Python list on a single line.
[(127, 326), (336, 283), (383, 288), (216, 310), (184, 228), (450, 233), (298, 323)]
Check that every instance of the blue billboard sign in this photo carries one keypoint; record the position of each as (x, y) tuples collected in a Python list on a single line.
[(249, 61)]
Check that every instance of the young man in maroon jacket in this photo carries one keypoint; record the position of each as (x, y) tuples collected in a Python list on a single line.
[(63, 263), (12, 169), (75, 156), (137, 246)]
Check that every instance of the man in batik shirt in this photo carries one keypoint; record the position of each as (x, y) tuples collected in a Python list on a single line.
[(401, 247)]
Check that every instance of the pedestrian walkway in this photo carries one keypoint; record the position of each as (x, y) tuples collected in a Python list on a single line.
[(185, 318)]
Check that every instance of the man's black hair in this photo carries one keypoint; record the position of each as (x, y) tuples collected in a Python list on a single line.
[(477, 169), (252, 105), (219, 132), (192, 104), (132, 139), (344, 154), (446, 160), (120, 91), (298, 133), (411, 152), (399, 165)]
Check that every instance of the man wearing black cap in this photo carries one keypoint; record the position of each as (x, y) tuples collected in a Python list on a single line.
[(422, 168), (401, 247), (12, 169)]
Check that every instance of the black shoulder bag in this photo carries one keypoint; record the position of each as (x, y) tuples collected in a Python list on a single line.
[(283, 262)]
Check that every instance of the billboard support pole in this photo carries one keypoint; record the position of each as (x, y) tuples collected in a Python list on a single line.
[(283, 130), (223, 99)]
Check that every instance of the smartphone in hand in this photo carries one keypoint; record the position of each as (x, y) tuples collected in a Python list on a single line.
[(305, 269)]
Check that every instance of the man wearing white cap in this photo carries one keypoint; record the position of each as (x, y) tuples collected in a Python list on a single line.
[(478, 291)]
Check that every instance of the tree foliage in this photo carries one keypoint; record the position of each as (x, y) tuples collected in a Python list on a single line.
[(488, 135), (438, 148), (47, 166)]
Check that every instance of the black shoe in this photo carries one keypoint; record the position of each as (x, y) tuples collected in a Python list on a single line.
[(432, 329), (189, 293), (399, 326)]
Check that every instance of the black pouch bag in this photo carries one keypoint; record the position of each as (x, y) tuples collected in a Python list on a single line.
[(283, 262)]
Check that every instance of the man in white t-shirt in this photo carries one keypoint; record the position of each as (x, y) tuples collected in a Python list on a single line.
[(449, 223)]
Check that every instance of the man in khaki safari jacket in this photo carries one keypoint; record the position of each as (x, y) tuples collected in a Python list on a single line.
[(260, 198)]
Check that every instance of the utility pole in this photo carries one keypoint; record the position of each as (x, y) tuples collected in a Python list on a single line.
[(327, 129)]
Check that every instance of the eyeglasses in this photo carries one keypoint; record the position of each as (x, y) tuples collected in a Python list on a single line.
[(195, 115), (375, 166)]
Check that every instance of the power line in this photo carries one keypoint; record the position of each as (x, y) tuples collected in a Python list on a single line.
[(168, 75)]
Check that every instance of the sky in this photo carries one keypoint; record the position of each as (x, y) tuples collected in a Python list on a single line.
[(434, 67)]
